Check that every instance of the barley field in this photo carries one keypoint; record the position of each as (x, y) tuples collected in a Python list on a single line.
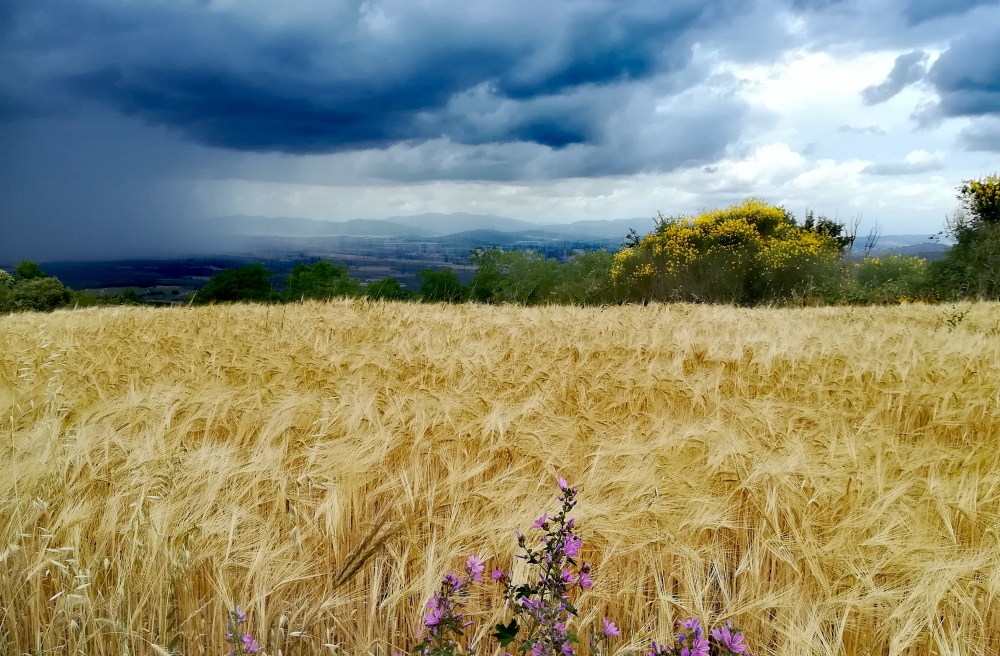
[(827, 478)]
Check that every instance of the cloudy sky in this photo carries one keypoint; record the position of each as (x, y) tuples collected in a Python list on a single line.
[(123, 119)]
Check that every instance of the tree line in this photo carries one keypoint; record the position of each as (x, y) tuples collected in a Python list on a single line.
[(748, 254)]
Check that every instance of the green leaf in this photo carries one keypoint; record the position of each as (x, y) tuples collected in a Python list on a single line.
[(571, 608), (507, 634), (172, 645), (572, 636)]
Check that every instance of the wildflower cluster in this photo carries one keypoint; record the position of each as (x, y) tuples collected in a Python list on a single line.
[(242, 643), (693, 641), (542, 607), (444, 623)]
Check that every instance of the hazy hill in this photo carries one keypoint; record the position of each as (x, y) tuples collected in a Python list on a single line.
[(420, 225), (266, 226)]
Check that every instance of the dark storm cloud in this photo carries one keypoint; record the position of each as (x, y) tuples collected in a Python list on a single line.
[(918, 11), (354, 75), (909, 68), (967, 75), (982, 135)]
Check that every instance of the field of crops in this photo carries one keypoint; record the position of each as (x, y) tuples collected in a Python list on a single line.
[(827, 478)]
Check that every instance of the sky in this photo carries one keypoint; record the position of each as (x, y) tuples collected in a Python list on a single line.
[(125, 122)]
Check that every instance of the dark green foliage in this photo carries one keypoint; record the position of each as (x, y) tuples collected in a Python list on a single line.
[(528, 278), (586, 279), (388, 289), (506, 634), (38, 295), (29, 270), (441, 286), (249, 283), (321, 281), (128, 297), (522, 277), (970, 268)]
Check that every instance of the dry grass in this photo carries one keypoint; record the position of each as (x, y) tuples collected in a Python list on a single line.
[(829, 479)]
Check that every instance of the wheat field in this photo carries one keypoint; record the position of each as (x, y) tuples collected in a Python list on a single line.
[(827, 478)]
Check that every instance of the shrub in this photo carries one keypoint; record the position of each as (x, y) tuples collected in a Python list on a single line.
[(321, 281), (38, 295), (524, 277), (29, 270), (746, 254), (388, 289), (6, 280), (441, 286), (586, 279), (889, 279), (249, 283), (970, 267)]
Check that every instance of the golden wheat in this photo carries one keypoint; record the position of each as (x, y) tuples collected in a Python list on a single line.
[(827, 478)]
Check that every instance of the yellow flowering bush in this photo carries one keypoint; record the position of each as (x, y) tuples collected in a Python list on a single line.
[(748, 253)]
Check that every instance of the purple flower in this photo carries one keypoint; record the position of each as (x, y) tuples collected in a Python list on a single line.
[(562, 484), (585, 581), (541, 520), (567, 649), (610, 629), (240, 615), (451, 579), (699, 644), (497, 574), (730, 639), (250, 644), (475, 566), (538, 649), (572, 545), (691, 623), (434, 617), (567, 575)]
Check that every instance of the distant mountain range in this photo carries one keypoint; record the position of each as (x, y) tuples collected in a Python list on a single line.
[(424, 226)]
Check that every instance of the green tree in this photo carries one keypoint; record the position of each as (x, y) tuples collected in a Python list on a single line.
[(320, 281), (249, 283), (39, 295), (6, 280), (524, 277), (586, 279), (128, 297), (388, 289), (971, 267), (29, 270), (441, 286)]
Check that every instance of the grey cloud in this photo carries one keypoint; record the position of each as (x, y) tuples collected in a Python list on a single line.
[(909, 68), (328, 77), (904, 167), (982, 135), (967, 75), (918, 11)]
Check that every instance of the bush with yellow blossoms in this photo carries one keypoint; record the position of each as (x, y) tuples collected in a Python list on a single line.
[(745, 254)]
